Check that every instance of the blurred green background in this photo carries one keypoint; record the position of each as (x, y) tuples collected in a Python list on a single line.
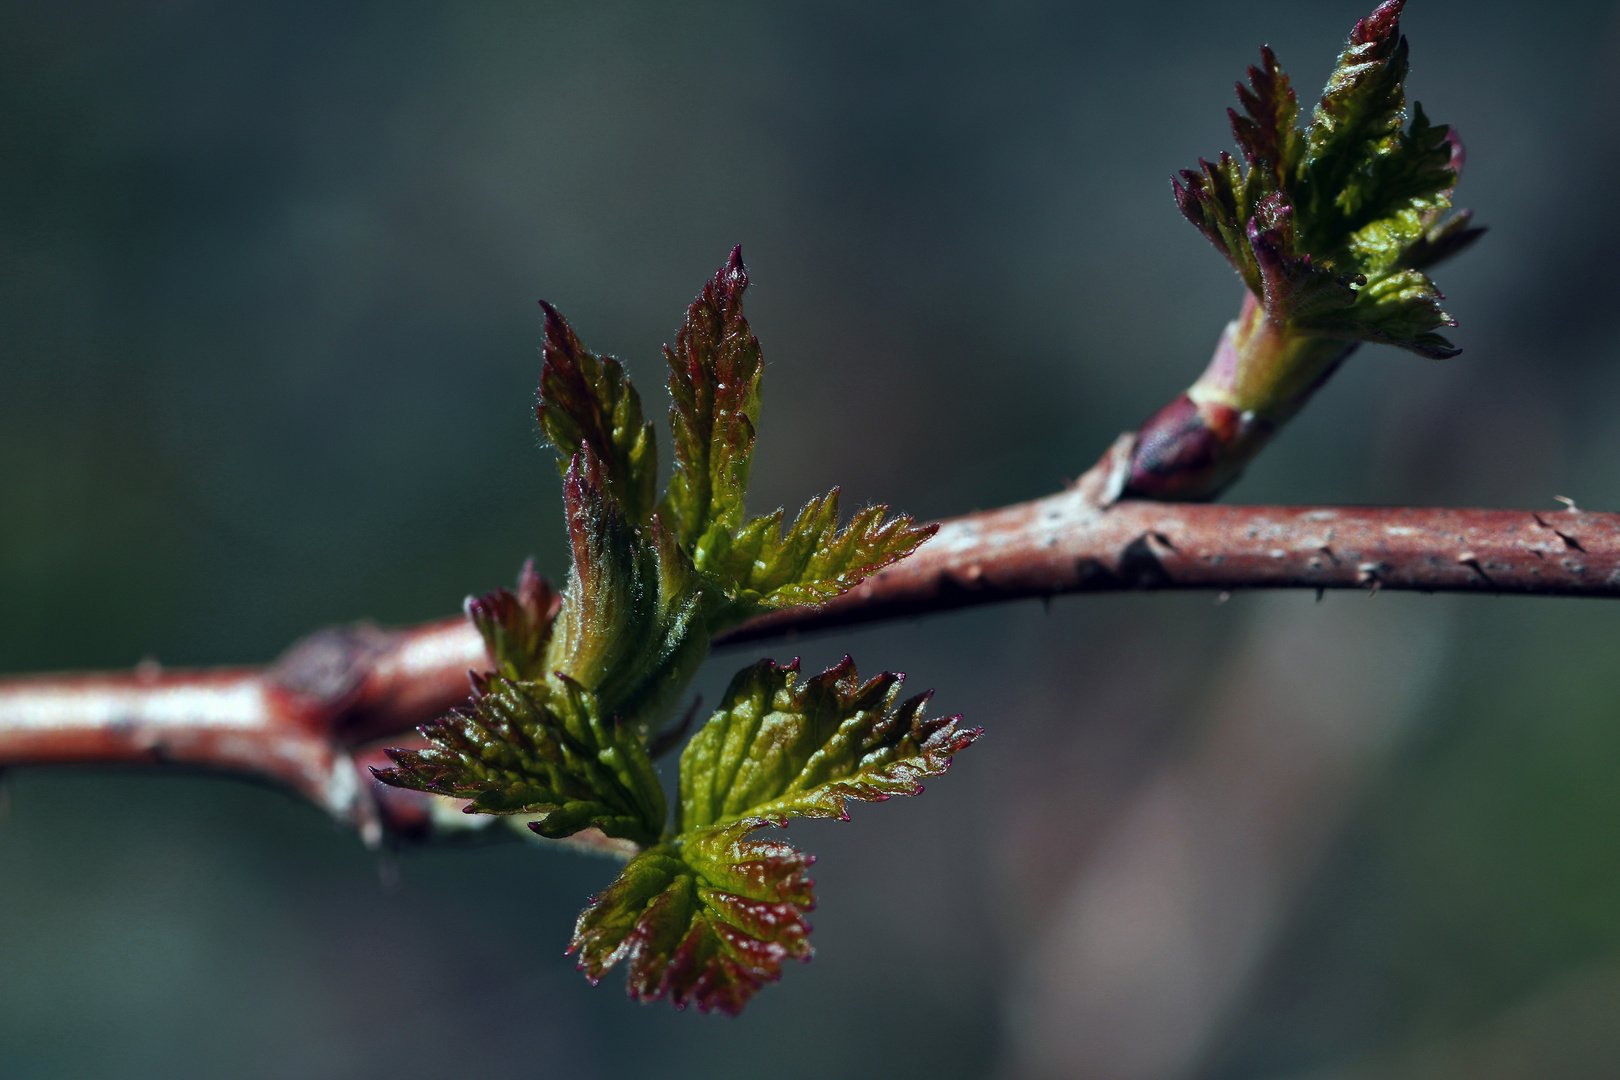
[(268, 345)]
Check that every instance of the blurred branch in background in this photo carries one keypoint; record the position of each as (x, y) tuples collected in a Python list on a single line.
[(1165, 922), (311, 721)]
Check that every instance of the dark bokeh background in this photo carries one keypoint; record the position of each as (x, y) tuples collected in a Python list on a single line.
[(267, 352)]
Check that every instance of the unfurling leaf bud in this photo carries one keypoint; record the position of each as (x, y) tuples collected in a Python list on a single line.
[(565, 729), (1331, 230)]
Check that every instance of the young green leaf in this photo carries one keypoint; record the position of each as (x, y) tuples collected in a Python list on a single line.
[(631, 628), (539, 748), (1399, 309), (1357, 121), (710, 916), (1332, 228), (1220, 200), (763, 567), (516, 627), (705, 920), (587, 400), (777, 748), (1223, 196), (714, 383)]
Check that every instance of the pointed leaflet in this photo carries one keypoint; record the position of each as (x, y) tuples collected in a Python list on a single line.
[(1268, 133), (630, 629), (538, 747), (714, 381), (706, 920), (1219, 200), (516, 627), (715, 374), (1358, 119), (586, 400), (763, 567), (1412, 186), (776, 749), (1411, 183), (1397, 309), (1369, 188)]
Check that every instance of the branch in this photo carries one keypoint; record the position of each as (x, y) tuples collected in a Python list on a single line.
[(301, 723), (311, 721), (1064, 544)]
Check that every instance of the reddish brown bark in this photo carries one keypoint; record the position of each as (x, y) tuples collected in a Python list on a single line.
[(301, 722), (1062, 544), (309, 721)]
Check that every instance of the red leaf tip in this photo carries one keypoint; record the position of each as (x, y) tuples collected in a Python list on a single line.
[(731, 279), (557, 332), (1381, 25), (1459, 153)]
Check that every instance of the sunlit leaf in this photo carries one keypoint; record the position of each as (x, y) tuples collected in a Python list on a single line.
[(764, 566), (1357, 121), (778, 747)]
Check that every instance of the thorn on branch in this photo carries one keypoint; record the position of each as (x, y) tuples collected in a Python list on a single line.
[(1470, 560), (1569, 541), (1140, 566)]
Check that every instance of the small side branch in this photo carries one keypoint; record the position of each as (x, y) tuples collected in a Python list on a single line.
[(312, 721)]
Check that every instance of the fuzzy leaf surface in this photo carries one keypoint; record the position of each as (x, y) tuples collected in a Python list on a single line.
[(542, 747), (587, 400), (516, 627), (631, 628), (778, 748), (1357, 121), (706, 920), (715, 370)]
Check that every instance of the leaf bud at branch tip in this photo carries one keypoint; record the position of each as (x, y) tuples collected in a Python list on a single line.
[(1332, 229)]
